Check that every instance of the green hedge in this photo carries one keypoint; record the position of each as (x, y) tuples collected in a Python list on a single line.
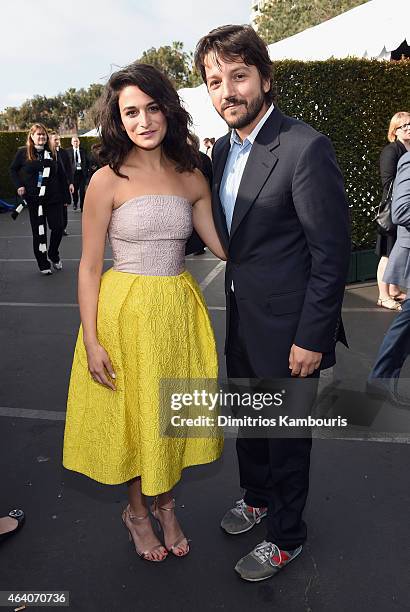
[(352, 101), (9, 143)]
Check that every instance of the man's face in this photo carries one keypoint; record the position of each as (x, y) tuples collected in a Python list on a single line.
[(75, 142), (237, 90)]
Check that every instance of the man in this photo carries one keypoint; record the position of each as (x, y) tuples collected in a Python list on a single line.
[(395, 348), (62, 156), (281, 212), (80, 167), (209, 145)]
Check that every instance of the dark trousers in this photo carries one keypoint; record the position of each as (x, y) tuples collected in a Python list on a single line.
[(65, 216), (54, 218), (273, 471), (395, 347), (79, 189)]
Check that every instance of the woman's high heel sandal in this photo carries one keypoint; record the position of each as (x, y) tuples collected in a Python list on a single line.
[(145, 554), (177, 544), (389, 303)]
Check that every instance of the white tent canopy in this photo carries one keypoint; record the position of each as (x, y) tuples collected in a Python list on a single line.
[(206, 121), (371, 30)]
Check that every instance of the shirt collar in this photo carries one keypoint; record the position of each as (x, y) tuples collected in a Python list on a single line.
[(251, 138)]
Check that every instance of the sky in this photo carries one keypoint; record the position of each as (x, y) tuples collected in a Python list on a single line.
[(52, 45)]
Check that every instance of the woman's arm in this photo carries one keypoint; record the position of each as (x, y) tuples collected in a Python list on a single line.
[(98, 206), (203, 220)]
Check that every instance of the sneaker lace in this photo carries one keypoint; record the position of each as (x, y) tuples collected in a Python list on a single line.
[(266, 550), (240, 507)]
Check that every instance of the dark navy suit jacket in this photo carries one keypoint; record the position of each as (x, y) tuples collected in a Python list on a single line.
[(289, 246)]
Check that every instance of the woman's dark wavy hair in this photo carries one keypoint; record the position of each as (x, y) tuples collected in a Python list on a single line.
[(231, 42), (115, 143)]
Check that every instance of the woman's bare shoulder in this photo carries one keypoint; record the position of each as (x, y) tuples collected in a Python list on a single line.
[(103, 184), (197, 184), (103, 175)]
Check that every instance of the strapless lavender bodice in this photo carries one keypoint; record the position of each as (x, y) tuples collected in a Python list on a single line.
[(148, 235)]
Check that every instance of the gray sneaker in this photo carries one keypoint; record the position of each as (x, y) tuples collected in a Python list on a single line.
[(58, 265), (265, 561), (242, 517)]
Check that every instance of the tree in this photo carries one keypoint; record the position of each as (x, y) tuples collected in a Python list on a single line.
[(282, 18), (67, 111), (39, 109), (9, 119), (174, 62)]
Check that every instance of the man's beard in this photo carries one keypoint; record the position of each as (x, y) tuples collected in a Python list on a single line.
[(253, 109)]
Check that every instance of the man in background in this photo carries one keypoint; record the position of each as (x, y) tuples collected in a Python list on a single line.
[(80, 168), (209, 144), (63, 159)]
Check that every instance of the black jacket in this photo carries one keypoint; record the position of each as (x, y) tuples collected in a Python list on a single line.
[(195, 243), (24, 173), (67, 179), (85, 164), (289, 245)]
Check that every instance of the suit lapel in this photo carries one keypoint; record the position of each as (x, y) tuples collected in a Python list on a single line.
[(261, 162), (218, 170)]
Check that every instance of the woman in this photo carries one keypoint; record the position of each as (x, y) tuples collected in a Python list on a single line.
[(145, 319), (390, 295), (37, 176)]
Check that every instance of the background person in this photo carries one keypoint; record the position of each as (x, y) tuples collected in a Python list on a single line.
[(209, 144), (398, 136), (145, 319), (66, 186), (38, 178), (195, 245), (395, 347), (80, 168)]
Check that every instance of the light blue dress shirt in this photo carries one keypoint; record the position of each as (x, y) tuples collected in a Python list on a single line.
[(235, 166)]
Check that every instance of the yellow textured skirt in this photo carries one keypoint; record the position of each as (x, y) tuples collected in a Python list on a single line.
[(152, 327)]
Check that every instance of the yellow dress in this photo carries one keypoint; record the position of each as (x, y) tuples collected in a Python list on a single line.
[(154, 324)]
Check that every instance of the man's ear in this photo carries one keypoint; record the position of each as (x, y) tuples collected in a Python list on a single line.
[(266, 84)]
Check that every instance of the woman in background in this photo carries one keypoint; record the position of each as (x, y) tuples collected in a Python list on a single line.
[(398, 135), (38, 177)]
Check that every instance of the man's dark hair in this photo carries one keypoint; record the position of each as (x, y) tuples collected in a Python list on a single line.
[(115, 143), (233, 43)]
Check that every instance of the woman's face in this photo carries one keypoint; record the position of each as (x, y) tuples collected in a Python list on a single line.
[(39, 137), (55, 140), (143, 120), (403, 131)]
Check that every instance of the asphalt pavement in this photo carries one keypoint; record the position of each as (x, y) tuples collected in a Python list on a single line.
[(357, 556)]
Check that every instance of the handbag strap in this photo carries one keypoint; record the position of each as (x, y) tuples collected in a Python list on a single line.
[(384, 200)]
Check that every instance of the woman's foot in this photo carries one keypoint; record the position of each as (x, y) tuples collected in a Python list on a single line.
[(399, 297), (174, 538), (389, 303), (145, 541), (11, 524)]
